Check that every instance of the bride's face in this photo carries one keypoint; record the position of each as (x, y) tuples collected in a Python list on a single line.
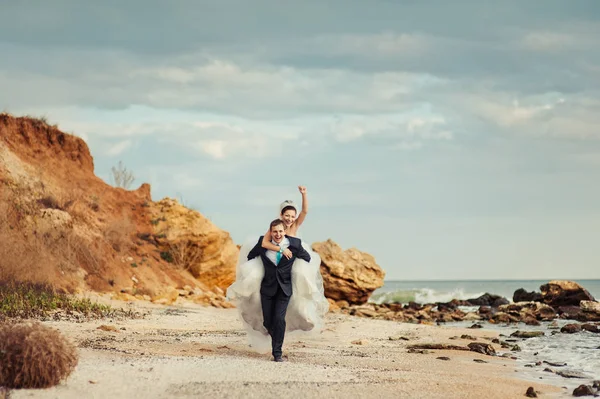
[(288, 217)]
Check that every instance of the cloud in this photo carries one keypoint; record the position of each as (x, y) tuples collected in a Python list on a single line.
[(118, 148), (399, 131), (549, 115), (548, 41)]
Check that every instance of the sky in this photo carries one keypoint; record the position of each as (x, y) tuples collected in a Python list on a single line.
[(450, 140)]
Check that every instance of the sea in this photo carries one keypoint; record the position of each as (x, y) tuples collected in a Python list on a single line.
[(578, 354)]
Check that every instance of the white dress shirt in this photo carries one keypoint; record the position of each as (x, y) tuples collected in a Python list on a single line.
[(272, 255)]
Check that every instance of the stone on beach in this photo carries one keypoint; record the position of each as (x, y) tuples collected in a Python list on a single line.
[(583, 390), (564, 293), (349, 275), (527, 334)]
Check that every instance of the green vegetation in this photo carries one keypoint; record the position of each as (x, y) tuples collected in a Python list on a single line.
[(24, 300)]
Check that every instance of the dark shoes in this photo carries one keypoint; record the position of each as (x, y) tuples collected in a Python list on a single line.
[(279, 359)]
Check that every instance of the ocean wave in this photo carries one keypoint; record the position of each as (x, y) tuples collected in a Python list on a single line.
[(422, 296)]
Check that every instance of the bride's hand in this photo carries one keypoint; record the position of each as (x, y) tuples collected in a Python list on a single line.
[(302, 189), (287, 253)]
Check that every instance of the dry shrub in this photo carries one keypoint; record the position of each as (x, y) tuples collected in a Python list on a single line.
[(34, 356), (185, 254), (121, 177), (78, 252), (62, 201), (50, 201), (118, 233)]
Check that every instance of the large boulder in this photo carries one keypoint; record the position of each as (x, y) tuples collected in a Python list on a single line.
[(349, 275), (521, 295), (191, 241), (558, 293)]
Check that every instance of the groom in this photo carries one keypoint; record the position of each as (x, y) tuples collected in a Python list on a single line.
[(276, 286)]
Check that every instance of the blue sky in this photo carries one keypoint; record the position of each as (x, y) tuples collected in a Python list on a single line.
[(451, 140)]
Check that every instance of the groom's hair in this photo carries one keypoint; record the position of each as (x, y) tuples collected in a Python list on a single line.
[(276, 222)]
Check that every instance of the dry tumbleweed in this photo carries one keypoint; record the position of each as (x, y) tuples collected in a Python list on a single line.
[(34, 356)]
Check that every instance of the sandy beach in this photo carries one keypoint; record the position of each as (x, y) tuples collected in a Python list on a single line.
[(190, 351)]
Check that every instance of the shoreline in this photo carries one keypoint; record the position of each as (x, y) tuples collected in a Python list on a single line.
[(191, 350)]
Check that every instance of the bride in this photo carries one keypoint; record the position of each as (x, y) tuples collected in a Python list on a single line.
[(307, 306)]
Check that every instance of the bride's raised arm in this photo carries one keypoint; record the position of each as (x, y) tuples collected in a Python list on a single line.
[(304, 210)]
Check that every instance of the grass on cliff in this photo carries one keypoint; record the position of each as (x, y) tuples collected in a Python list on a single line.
[(26, 300)]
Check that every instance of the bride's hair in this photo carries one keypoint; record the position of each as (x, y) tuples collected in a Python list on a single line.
[(287, 204)]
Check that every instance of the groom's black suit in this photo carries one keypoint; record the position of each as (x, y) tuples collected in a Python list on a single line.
[(276, 289)]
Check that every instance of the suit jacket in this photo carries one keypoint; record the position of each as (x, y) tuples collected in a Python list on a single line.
[(280, 274)]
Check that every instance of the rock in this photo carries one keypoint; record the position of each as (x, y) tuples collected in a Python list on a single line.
[(479, 347), (555, 364), (569, 312), (516, 348), (479, 361), (195, 243), (564, 293), (343, 304), (333, 306), (469, 337), (488, 300), (531, 393), (590, 311), (471, 317), (364, 312), (583, 390), (591, 328), (439, 346), (571, 328), (398, 338), (521, 295), (443, 358), (544, 312), (360, 342), (590, 306), (484, 310), (167, 298), (502, 317), (527, 334), (105, 327), (420, 351), (349, 275), (571, 374)]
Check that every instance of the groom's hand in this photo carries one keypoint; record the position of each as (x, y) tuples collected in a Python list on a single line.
[(287, 253)]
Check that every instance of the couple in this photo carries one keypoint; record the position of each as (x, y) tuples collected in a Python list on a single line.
[(279, 287)]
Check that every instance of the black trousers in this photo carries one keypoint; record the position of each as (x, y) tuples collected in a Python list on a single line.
[(274, 309)]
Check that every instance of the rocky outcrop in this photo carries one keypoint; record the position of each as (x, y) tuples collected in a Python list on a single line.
[(564, 293), (194, 243), (79, 233), (349, 275)]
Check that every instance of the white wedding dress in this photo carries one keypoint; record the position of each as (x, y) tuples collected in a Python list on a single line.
[(307, 306)]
